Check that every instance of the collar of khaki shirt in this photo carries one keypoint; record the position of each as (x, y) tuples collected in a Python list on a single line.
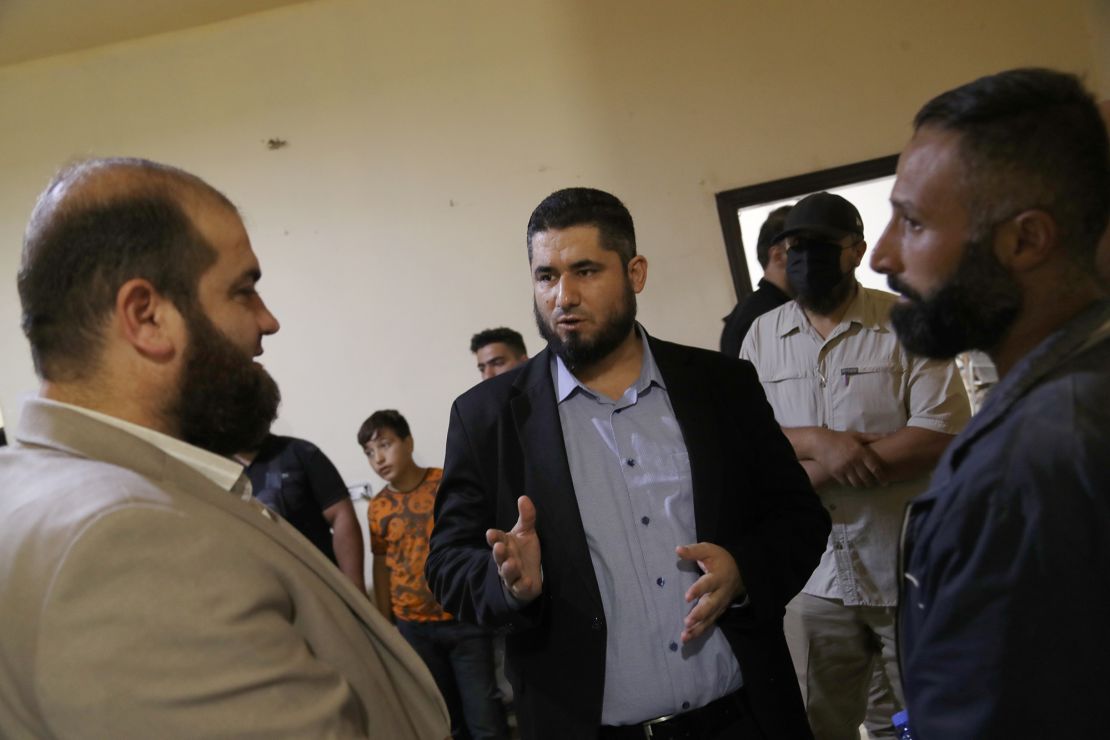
[(862, 310)]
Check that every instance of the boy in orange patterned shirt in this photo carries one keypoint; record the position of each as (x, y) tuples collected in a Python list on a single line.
[(460, 656)]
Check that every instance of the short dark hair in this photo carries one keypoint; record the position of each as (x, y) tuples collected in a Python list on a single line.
[(502, 334), (586, 207), (383, 419), (98, 224), (775, 223), (1030, 138)]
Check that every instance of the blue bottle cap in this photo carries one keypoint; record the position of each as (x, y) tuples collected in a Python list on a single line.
[(901, 719)]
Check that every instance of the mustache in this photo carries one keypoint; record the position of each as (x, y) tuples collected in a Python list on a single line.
[(901, 288)]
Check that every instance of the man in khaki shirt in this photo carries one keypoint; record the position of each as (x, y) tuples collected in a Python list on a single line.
[(868, 422)]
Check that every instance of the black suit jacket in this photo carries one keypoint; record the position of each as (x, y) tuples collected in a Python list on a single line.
[(750, 496)]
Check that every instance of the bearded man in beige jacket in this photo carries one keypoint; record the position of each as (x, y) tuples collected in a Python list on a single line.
[(142, 592)]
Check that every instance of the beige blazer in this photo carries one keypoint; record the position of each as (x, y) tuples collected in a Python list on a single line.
[(138, 600)]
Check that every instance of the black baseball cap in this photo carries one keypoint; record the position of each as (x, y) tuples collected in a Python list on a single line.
[(825, 214)]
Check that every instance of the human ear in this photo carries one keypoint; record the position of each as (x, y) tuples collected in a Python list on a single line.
[(147, 320), (637, 272), (1026, 240)]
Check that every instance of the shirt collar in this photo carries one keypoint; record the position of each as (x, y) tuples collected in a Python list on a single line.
[(222, 471), (566, 383), (862, 310)]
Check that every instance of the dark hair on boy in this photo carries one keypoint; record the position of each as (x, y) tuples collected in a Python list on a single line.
[(1030, 138), (586, 207), (383, 419), (502, 334)]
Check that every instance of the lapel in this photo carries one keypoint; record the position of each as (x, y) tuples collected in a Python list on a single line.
[(46, 425), (547, 478), (694, 409)]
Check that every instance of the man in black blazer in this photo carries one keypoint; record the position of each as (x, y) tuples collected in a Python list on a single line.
[(627, 510)]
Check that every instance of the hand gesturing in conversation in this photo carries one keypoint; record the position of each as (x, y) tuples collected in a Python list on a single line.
[(517, 554)]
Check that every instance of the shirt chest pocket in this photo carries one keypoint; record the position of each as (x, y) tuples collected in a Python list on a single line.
[(868, 398), (794, 396)]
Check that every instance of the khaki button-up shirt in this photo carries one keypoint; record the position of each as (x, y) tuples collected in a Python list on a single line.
[(860, 379)]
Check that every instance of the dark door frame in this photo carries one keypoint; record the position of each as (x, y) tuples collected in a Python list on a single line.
[(729, 202)]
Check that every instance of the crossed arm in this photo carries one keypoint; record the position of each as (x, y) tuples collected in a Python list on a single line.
[(865, 460)]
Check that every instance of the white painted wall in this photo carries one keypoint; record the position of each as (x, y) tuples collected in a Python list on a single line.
[(422, 133)]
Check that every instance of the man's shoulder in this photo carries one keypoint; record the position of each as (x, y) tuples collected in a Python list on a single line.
[(492, 395), (698, 364)]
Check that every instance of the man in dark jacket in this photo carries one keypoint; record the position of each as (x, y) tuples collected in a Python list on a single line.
[(999, 203), (627, 509)]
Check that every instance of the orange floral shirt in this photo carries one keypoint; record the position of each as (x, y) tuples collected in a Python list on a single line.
[(400, 527)]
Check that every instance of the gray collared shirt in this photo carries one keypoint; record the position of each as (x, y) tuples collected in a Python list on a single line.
[(631, 476)]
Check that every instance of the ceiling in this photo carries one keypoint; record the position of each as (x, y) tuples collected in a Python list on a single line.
[(31, 29)]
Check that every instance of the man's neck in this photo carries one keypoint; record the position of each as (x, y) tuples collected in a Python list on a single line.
[(409, 480), (614, 373), (777, 279), (824, 323), (1041, 316), (104, 401)]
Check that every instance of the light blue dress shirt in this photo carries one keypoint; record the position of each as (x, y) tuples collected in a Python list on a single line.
[(631, 475)]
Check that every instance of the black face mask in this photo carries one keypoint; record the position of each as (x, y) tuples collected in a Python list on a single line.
[(813, 269)]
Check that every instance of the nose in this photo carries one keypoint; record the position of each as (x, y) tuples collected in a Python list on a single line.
[(568, 296), (885, 254), (379, 457), (487, 373), (267, 322)]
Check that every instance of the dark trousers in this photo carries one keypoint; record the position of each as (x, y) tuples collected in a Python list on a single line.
[(460, 657)]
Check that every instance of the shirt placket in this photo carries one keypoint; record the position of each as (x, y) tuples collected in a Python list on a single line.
[(838, 536)]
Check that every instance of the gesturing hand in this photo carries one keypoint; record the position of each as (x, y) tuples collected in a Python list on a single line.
[(847, 457), (517, 553), (719, 585)]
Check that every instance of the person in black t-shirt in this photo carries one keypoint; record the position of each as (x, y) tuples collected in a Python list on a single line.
[(294, 478), (772, 291)]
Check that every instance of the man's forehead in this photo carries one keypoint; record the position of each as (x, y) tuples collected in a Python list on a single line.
[(930, 161)]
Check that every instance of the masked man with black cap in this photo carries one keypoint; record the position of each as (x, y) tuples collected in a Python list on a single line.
[(868, 421)]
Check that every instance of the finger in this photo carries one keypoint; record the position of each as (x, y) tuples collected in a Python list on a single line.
[(493, 536), (510, 571), (500, 552), (863, 474), (704, 585), (693, 551), (700, 552), (875, 466), (526, 515)]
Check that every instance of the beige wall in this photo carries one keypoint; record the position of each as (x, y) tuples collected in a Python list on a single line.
[(422, 133)]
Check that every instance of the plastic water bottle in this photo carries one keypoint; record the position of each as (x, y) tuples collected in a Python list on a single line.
[(901, 723)]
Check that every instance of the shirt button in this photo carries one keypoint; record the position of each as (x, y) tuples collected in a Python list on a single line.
[(595, 623), (838, 546), (630, 462), (685, 705), (674, 647), (659, 581), (645, 520)]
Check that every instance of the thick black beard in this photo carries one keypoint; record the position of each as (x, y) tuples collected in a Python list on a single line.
[(577, 352), (226, 402), (825, 303), (973, 310)]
